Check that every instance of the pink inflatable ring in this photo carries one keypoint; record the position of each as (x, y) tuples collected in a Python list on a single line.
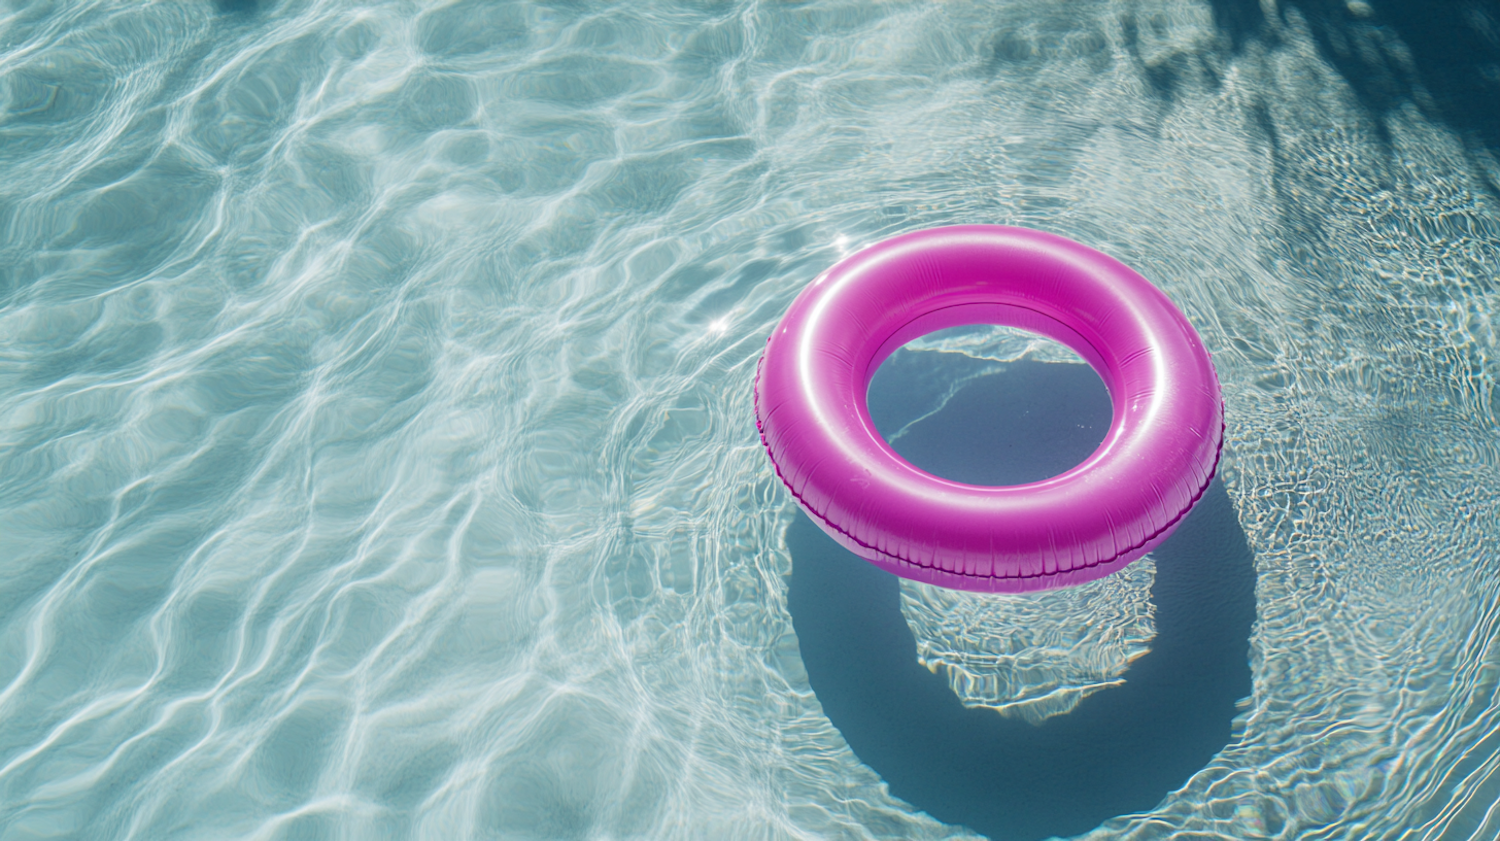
[(1156, 461)]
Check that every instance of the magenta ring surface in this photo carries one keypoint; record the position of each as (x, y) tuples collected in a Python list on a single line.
[(1157, 459)]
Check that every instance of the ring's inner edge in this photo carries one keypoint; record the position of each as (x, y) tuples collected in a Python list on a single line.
[(999, 315)]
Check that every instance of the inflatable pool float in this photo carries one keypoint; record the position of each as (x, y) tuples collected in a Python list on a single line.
[(1122, 501)]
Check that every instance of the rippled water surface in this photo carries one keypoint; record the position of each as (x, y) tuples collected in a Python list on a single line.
[(376, 447)]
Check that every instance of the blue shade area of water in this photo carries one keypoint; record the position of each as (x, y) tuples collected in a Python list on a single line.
[(377, 454), (1117, 752)]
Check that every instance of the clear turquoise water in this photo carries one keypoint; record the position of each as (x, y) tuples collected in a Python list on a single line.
[(376, 451)]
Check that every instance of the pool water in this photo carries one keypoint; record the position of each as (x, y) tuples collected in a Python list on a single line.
[(376, 448)]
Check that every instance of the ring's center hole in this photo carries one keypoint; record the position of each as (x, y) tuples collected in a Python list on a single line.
[(988, 405)]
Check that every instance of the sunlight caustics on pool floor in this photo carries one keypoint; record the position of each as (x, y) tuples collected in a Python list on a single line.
[(376, 449)]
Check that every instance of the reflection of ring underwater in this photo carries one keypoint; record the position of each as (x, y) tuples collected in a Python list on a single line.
[(1154, 464)]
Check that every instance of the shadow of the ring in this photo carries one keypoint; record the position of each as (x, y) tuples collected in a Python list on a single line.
[(1121, 750)]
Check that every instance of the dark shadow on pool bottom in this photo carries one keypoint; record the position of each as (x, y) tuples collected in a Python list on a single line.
[(1118, 752)]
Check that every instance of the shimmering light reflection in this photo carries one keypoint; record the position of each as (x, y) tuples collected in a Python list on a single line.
[(376, 449)]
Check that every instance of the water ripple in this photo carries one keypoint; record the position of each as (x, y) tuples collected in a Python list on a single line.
[(376, 453)]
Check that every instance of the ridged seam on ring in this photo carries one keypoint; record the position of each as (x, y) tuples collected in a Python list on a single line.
[(829, 524)]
